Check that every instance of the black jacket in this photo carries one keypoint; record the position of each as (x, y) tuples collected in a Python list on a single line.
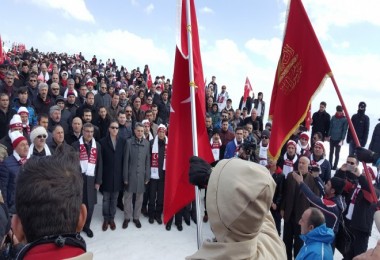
[(5, 118), (321, 123), (375, 141), (112, 180), (361, 125)]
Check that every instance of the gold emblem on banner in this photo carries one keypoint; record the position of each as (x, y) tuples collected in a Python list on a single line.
[(290, 70)]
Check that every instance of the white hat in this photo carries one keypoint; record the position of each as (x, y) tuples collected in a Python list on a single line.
[(161, 127), (64, 72), (15, 121), (39, 130), (88, 71), (16, 138), (77, 71), (121, 91), (22, 110), (145, 121)]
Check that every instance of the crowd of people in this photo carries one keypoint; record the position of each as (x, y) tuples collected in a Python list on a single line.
[(117, 122)]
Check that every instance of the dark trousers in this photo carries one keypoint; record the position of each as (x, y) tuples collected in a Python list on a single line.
[(146, 196), (177, 219), (109, 205), (359, 243), (292, 238), (156, 198), (90, 209), (190, 211), (277, 220), (334, 145)]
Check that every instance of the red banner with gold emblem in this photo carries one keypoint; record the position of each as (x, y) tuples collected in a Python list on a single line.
[(301, 70)]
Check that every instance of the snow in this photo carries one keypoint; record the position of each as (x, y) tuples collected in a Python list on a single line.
[(153, 241)]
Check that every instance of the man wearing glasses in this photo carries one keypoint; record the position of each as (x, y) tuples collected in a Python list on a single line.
[(91, 164)]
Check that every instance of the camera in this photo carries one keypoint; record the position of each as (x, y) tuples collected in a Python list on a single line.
[(313, 168), (249, 147)]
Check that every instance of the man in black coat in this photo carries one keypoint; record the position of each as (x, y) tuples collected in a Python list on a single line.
[(6, 114), (321, 121), (90, 156), (157, 178), (361, 124), (112, 172)]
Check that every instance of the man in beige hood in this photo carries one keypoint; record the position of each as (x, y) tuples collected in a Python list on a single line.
[(239, 195)]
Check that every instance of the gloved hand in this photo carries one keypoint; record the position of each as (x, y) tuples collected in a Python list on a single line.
[(367, 156), (199, 172)]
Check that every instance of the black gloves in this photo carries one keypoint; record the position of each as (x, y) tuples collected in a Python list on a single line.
[(367, 156), (199, 172)]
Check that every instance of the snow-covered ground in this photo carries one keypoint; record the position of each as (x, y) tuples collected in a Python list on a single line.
[(153, 241)]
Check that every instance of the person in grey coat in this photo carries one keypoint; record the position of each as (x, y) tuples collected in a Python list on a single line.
[(337, 134), (136, 173)]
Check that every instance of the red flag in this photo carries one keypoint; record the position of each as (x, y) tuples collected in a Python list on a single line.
[(149, 79), (301, 70), (178, 191), (308, 118), (1, 51), (247, 89)]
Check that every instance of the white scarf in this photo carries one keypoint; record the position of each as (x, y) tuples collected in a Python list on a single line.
[(47, 150), (19, 159), (87, 164), (215, 148), (288, 164), (154, 160), (313, 162), (150, 137), (263, 155)]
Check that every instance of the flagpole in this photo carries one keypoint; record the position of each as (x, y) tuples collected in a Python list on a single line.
[(355, 138), (193, 117)]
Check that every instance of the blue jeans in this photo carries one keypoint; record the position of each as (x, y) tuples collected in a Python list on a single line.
[(109, 205)]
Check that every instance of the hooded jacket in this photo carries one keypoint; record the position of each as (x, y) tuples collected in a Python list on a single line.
[(239, 195), (317, 244)]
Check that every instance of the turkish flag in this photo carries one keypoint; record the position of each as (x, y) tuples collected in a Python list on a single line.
[(301, 70), (149, 79), (247, 89), (178, 191)]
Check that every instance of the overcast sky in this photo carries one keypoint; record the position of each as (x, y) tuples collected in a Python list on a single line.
[(238, 39)]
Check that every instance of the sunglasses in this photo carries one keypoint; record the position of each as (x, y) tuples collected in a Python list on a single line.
[(41, 136), (33, 80), (264, 137), (352, 163), (114, 127)]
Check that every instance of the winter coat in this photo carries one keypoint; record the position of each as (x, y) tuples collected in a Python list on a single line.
[(294, 199), (230, 150), (42, 107), (112, 164), (317, 244), (136, 165), (338, 128), (256, 105), (331, 208), (9, 169), (239, 195), (102, 99), (94, 112), (5, 118), (248, 104), (375, 141), (32, 114), (89, 181), (361, 125), (279, 179), (321, 123)]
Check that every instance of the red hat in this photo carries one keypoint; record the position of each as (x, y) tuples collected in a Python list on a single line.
[(291, 143), (320, 145), (146, 122), (70, 93), (305, 136), (16, 138), (89, 82), (23, 111)]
